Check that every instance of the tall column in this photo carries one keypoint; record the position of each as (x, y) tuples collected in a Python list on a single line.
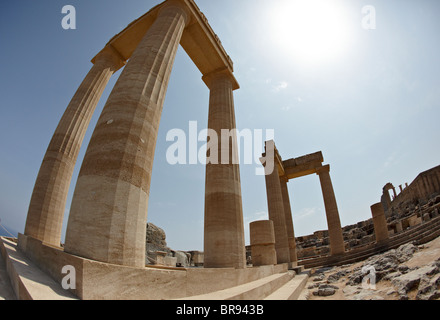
[(289, 221), (48, 202), (224, 244), (277, 214), (380, 223), (107, 220), (331, 210)]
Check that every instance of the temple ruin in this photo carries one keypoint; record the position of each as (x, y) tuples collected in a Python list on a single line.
[(408, 216), (279, 203), (105, 244)]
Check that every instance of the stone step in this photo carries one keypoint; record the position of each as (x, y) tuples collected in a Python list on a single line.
[(297, 269), (28, 281), (255, 290), (421, 234), (291, 290)]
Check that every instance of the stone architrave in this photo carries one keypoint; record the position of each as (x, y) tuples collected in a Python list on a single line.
[(108, 215), (380, 223), (224, 245), (331, 210), (48, 202)]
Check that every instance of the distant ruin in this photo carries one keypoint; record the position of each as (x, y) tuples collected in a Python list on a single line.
[(415, 209)]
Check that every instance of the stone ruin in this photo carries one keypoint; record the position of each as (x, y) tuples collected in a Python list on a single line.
[(159, 254), (418, 203), (107, 233)]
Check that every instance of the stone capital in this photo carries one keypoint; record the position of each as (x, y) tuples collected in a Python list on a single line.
[(110, 56), (220, 75), (176, 6), (323, 169)]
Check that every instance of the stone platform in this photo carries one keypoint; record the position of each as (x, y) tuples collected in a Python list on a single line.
[(35, 272)]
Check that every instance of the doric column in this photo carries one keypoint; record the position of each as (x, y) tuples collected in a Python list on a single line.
[(48, 202), (380, 223), (224, 244), (277, 214), (289, 221), (331, 210), (108, 216)]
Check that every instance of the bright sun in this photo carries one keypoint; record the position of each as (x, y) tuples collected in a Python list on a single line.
[(311, 31)]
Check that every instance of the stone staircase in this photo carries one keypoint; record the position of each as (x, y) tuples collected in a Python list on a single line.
[(25, 280), (419, 234), (282, 286)]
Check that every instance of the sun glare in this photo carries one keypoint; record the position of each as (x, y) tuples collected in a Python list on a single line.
[(311, 31)]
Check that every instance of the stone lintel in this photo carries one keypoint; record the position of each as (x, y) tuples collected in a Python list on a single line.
[(304, 165), (199, 41)]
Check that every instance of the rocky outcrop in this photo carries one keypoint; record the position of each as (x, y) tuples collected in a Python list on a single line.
[(425, 281), (385, 264), (156, 242), (156, 239), (405, 273)]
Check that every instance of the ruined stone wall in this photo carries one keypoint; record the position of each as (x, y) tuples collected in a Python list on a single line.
[(317, 244), (425, 187), (362, 233)]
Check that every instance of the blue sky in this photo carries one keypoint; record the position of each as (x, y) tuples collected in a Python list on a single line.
[(371, 106)]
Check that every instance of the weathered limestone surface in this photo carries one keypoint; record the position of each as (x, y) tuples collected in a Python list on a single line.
[(331, 210), (156, 238), (108, 216), (262, 238), (48, 202), (224, 230)]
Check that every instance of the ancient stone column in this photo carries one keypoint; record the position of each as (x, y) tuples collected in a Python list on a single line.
[(289, 221), (380, 223), (331, 210), (262, 238), (48, 202), (224, 244), (277, 214), (108, 216)]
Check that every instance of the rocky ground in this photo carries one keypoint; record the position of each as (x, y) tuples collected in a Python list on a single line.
[(409, 272)]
